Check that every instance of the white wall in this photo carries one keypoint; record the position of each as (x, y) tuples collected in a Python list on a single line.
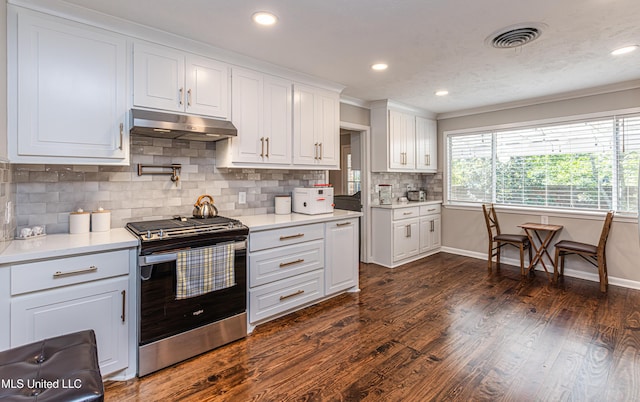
[(465, 230)]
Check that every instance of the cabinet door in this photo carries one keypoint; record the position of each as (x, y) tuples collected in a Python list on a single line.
[(342, 251), (426, 145), (207, 86), (409, 141), (158, 78), (396, 140), (277, 126), (405, 239), (71, 92), (327, 106), (97, 305), (305, 144), (247, 114), (430, 233)]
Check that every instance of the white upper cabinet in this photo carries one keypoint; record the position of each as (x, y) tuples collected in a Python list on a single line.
[(261, 110), (167, 79), (402, 127), (67, 92), (426, 145), (402, 140), (316, 127)]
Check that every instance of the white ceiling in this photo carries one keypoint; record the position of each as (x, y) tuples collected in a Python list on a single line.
[(428, 44)]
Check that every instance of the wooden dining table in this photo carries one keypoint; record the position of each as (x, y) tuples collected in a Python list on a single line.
[(544, 234)]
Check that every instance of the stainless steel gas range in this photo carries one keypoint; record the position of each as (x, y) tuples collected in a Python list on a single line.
[(192, 287)]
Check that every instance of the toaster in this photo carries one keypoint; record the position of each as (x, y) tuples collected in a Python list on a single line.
[(313, 200), (417, 195)]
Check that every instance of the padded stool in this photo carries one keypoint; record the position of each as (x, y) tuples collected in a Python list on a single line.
[(64, 368)]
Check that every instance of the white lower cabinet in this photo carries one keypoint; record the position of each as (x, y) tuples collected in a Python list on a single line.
[(292, 267), (404, 234), (100, 306), (69, 294), (342, 257), (406, 239)]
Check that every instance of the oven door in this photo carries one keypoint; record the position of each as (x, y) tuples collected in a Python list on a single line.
[(162, 316)]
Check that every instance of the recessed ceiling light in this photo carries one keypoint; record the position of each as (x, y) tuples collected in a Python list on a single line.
[(379, 66), (442, 92), (623, 50), (264, 18)]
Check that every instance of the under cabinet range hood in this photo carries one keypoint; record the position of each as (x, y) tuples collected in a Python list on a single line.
[(171, 125)]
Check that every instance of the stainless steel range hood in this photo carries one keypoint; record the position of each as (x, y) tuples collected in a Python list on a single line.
[(170, 125)]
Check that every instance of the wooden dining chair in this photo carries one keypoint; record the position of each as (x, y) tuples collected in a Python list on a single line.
[(594, 254), (497, 239)]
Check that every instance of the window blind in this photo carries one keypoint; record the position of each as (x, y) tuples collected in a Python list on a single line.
[(586, 164)]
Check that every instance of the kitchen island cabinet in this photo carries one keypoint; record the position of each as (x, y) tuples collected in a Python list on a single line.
[(405, 232), (67, 92), (66, 283)]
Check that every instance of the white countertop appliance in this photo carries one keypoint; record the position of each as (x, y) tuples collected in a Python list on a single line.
[(313, 200)]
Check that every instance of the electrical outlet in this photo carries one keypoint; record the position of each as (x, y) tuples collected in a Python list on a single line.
[(544, 219), (242, 197)]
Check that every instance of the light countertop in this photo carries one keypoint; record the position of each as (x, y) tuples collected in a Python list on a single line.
[(273, 221), (61, 245), (396, 204)]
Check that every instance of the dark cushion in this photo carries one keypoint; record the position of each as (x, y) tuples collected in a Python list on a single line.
[(575, 246), (513, 238), (64, 368)]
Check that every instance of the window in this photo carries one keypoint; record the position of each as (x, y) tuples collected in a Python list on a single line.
[(588, 164)]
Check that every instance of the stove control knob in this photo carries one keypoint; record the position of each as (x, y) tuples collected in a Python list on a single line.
[(148, 235), (161, 234)]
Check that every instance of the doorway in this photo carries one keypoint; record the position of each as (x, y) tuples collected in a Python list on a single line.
[(351, 182)]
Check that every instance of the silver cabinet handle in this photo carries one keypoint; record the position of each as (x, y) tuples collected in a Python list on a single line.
[(343, 224), (295, 236), (428, 160), (89, 270), (267, 139), (407, 231), (262, 151), (286, 264), (180, 95), (124, 304), (189, 97), (407, 213), (432, 226), (299, 292), (315, 151), (121, 136), (320, 145)]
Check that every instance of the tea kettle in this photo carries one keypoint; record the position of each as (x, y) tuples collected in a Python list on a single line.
[(203, 208)]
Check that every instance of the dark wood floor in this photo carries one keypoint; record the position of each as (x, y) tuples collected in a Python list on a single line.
[(437, 329)]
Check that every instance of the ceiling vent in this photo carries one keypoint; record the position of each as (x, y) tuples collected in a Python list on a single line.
[(515, 36)]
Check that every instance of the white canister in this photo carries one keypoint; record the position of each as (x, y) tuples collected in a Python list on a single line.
[(79, 222), (283, 204), (100, 220)]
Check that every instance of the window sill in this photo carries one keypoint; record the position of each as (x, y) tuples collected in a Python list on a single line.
[(562, 213)]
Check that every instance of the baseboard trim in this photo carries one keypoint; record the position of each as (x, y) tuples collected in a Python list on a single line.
[(589, 276)]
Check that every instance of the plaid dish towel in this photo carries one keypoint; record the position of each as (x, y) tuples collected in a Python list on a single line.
[(204, 270)]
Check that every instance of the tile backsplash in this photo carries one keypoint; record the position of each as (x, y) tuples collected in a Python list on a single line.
[(45, 194), (399, 182)]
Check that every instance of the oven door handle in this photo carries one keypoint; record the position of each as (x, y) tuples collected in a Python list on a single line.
[(158, 258)]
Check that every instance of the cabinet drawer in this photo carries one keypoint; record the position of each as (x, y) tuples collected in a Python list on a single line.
[(285, 236), (41, 275), (429, 209), (283, 262), (274, 298), (405, 213)]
